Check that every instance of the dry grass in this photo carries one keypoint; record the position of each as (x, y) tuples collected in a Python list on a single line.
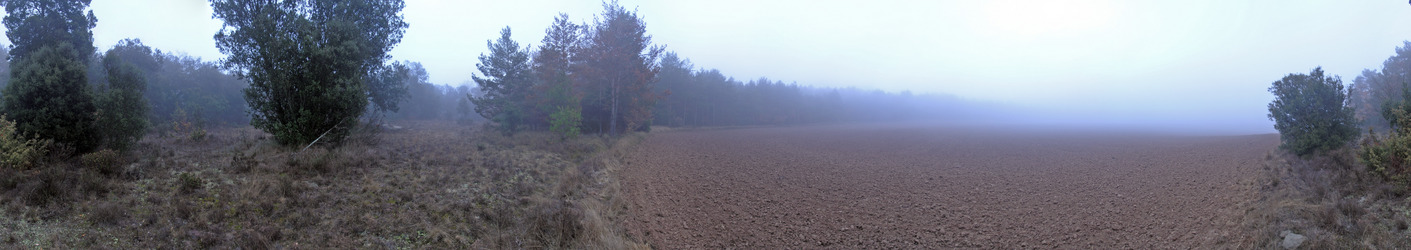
[(1329, 198), (432, 185)]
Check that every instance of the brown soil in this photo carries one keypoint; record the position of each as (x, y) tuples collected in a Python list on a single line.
[(912, 186)]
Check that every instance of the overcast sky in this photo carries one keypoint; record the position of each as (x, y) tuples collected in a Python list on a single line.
[(1207, 62)]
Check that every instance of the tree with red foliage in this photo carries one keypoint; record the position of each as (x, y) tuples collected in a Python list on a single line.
[(618, 70), (555, 91)]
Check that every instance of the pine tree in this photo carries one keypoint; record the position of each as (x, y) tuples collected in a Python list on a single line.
[(553, 61), (620, 66), (505, 81)]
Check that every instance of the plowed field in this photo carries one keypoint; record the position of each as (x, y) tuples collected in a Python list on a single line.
[(925, 186)]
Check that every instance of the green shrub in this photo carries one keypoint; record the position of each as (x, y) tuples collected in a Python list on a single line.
[(1390, 156), (49, 97), (184, 124), (16, 150), (188, 182), (1387, 156), (241, 163), (197, 135), (104, 161), (565, 121), (1311, 113)]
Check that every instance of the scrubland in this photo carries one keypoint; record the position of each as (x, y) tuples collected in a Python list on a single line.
[(1331, 200), (429, 185)]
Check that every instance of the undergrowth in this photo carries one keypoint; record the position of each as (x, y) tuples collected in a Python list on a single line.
[(1329, 198), (18, 150), (432, 185)]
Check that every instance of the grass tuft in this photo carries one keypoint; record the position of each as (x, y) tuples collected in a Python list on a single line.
[(1329, 199)]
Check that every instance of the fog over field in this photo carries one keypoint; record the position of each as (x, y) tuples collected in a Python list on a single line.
[(653, 124), (1203, 65)]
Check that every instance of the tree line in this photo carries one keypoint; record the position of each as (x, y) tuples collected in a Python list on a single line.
[(1316, 113), (179, 89), (607, 77), (1374, 91), (307, 71)]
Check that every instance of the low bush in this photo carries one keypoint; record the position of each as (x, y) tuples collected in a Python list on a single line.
[(241, 163), (1388, 156), (565, 121), (17, 151), (188, 182), (107, 213), (184, 124), (104, 161), (46, 186)]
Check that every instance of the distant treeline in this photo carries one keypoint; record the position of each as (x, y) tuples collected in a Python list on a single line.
[(423, 100), (607, 77), (597, 77), (1375, 92), (183, 92), (701, 97)]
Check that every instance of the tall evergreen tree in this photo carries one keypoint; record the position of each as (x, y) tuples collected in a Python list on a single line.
[(620, 67), (553, 62), (4, 70), (675, 82), (34, 24), (1373, 90), (505, 81), (48, 93), (49, 97)]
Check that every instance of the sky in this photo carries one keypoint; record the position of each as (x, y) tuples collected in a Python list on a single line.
[(1201, 63)]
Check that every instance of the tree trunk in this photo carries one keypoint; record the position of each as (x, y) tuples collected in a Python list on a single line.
[(612, 122)]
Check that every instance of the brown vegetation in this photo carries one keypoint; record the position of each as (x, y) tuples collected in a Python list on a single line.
[(432, 185), (1330, 199)]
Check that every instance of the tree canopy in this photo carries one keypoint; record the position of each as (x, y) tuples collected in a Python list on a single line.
[(505, 80), (49, 97), (33, 24), (1374, 89), (619, 67), (48, 93), (308, 61), (1311, 112), (122, 112)]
